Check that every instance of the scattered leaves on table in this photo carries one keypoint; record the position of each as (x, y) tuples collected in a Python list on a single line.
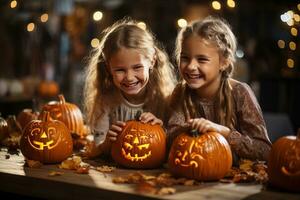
[(160, 184), (75, 163), (55, 173), (105, 168), (248, 171)]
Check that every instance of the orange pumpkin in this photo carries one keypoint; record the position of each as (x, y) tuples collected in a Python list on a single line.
[(3, 128), (204, 157), (140, 145), (48, 89), (25, 116), (68, 113), (46, 140), (284, 163)]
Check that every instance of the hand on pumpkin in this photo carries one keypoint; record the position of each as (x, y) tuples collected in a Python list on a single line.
[(114, 131), (147, 117), (204, 125)]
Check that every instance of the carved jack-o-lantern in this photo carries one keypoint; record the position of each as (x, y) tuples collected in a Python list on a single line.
[(140, 145), (68, 113), (203, 157), (46, 140), (284, 163)]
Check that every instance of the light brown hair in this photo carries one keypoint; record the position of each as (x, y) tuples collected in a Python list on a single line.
[(99, 85)]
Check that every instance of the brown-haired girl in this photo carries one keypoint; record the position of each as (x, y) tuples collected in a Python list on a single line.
[(207, 99)]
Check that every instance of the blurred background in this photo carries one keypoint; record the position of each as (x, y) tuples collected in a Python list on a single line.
[(44, 47)]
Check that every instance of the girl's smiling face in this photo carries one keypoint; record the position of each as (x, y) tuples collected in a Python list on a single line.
[(200, 65), (130, 72)]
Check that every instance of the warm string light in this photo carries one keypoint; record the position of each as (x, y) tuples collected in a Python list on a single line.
[(97, 16), (182, 23), (13, 4), (292, 19), (216, 5)]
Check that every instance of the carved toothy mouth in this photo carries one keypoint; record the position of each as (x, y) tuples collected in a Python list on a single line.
[(40, 145), (135, 158)]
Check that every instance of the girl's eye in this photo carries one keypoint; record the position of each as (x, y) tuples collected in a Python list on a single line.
[(202, 60), (119, 70), (138, 67), (184, 58)]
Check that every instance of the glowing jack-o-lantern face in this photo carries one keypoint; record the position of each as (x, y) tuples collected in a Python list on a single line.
[(48, 141), (188, 156), (284, 163), (140, 145), (202, 157), (40, 139), (136, 145)]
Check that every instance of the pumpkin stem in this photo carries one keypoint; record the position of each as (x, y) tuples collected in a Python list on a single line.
[(46, 116), (34, 105), (137, 115), (61, 99), (194, 132)]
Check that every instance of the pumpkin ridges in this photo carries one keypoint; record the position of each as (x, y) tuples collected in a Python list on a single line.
[(70, 114)]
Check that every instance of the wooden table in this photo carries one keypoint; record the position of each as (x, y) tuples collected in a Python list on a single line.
[(36, 182)]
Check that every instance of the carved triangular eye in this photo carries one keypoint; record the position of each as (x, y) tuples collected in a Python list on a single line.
[(51, 131), (44, 135), (136, 140)]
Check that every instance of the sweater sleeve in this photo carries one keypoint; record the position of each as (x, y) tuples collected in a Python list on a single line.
[(250, 140), (176, 125), (101, 127)]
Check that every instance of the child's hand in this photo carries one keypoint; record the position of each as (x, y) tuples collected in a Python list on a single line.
[(114, 131), (149, 117), (204, 125)]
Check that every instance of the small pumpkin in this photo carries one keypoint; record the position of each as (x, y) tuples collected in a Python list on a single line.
[(284, 163), (3, 128), (67, 113), (25, 116), (48, 89), (140, 145), (46, 140), (204, 157)]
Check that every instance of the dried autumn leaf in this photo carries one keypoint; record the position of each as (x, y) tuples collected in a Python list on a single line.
[(55, 173), (145, 187), (135, 177), (246, 165), (105, 168), (33, 163), (166, 190), (68, 164), (120, 179), (147, 177), (83, 170), (165, 181), (71, 163)]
